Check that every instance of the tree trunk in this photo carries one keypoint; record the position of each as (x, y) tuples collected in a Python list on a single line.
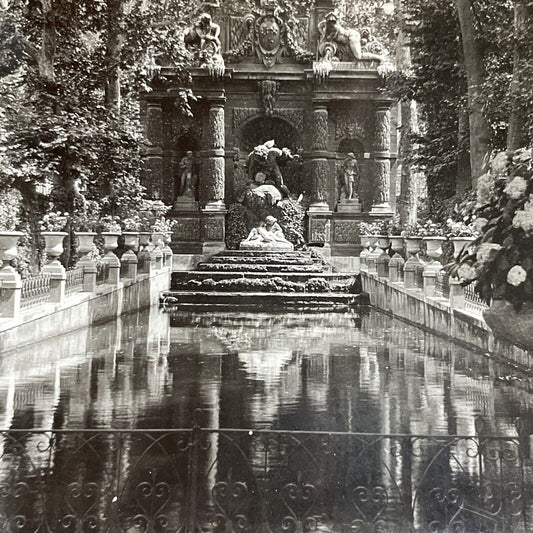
[(46, 55), (464, 175), (115, 40), (516, 132), (475, 75), (408, 201)]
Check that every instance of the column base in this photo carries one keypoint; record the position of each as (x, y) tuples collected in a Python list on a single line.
[(214, 206), (381, 210)]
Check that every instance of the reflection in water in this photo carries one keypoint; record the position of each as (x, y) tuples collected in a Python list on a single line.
[(324, 372), (310, 371)]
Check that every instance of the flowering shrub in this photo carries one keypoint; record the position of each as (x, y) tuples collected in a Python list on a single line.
[(457, 228), (54, 221), (369, 228), (110, 223), (502, 262)]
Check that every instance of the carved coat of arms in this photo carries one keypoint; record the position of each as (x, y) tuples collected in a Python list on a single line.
[(269, 39)]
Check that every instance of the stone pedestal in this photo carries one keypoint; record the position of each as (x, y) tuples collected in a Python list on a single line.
[(11, 288), (320, 227), (58, 280), (129, 265), (349, 206), (213, 230), (113, 268), (89, 273), (186, 204)]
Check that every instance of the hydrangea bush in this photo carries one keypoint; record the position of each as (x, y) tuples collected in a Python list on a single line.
[(501, 263)]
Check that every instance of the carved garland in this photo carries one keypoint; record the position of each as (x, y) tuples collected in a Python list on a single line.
[(243, 114), (347, 126)]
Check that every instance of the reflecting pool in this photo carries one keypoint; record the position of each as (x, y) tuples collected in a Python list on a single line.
[(262, 421), (296, 370)]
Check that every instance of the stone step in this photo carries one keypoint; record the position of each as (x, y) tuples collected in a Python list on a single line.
[(264, 267), (260, 299), (263, 253), (287, 276), (274, 260), (269, 285)]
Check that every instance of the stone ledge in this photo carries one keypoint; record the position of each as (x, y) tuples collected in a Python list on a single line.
[(435, 314), (82, 309)]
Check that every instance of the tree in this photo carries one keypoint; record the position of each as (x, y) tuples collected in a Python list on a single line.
[(475, 74), (521, 104)]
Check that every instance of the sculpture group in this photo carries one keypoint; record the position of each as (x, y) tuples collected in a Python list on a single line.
[(267, 236), (271, 37)]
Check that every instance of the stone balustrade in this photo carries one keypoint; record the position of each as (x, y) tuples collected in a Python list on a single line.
[(425, 278), (55, 285)]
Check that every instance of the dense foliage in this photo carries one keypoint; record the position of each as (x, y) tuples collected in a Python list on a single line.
[(71, 78), (501, 263), (437, 82)]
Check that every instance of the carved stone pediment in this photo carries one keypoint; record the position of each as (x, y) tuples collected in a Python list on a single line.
[(268, 36)]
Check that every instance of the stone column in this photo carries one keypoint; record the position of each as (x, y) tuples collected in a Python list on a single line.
[(382, 166), (319, 166), (213, 179), (154, 157)]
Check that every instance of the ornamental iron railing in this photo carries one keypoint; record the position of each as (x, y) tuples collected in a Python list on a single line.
[(236, 480)]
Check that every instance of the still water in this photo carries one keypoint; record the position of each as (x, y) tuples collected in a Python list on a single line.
[(294, 370), (321, 421)]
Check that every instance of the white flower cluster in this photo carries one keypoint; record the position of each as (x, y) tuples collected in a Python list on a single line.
[(524, 218), (498, 165), (467, 272), (486, 252), (485, 188), (516, 188), (516, 276)]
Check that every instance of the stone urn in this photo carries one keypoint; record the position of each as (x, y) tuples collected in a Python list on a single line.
[(396, 242), (508, 324), (158, 238), (131, 240), (110, 240), (53, 241), (373, 240), (85, 241), (412, 245), (434, 247), (8, 245), (383, 242), (460, 244), (144, 238)]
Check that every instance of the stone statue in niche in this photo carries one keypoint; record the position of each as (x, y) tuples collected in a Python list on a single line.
[(349, 177), (204, 38), (348, 200), (269, 93), (336, 38), (267, 236), (187, 183)]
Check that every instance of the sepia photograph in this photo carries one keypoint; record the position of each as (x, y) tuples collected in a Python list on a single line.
[(266, 266)]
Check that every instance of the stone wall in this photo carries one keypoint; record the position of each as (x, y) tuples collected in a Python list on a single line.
[(436, 314), (83, 309)]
